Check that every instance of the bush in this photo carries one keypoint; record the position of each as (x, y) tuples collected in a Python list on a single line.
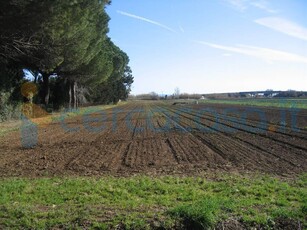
[(8, 110)]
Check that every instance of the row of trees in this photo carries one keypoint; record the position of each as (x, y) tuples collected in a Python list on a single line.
[(64, 45)]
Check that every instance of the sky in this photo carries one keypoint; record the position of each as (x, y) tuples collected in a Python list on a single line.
[(212, 46)]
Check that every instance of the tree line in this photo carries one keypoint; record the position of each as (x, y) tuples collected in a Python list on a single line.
[(64, 47)]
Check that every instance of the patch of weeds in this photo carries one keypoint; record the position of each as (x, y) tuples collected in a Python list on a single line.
[(199, 215)]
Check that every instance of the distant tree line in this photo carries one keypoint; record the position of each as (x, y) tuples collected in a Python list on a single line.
[(254, 94), (155, 96), (292, 93), (64, 47), (259, 94)]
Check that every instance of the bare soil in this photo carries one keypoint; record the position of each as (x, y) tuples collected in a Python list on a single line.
[(161, 138)]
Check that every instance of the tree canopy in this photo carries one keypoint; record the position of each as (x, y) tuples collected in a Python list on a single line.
[(64, 43)]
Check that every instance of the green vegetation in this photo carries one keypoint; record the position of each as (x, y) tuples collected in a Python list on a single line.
[(62, 49), (11, 126), (8, 127), (144, 202), (282, 103), (199, 215), (58, 116), (8, 110)]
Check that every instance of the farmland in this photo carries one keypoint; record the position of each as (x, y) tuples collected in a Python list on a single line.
[(163, 116), (275, 102), (160, 157), (162, 138)]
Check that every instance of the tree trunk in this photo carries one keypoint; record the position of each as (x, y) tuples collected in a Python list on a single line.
[(70, 95), (75, 94), (46, 88)]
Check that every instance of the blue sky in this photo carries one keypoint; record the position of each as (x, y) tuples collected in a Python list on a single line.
[(207, 46)]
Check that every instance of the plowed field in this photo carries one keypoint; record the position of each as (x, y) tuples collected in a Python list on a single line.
[(162, 138)]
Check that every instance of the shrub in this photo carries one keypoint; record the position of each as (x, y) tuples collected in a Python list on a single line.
[(8, 110)]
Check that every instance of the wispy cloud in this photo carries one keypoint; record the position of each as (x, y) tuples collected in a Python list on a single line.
[(146, 20), (243, 5), (181, 28), (263, 5), (268, 55), (284, 26), (240, 5)]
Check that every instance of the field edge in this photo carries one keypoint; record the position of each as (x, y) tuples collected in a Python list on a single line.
[(168, 202)]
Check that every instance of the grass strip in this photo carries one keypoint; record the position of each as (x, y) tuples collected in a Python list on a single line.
[(144, 202)]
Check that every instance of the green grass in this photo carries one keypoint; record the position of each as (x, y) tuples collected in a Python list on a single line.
[(202, 214), (281, 103), (58, 116), (141, 202), (11, 126), (4, 131)]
